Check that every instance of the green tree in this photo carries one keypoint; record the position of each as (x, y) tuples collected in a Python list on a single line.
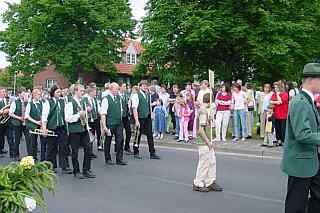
[(75, 35), (265, 40)]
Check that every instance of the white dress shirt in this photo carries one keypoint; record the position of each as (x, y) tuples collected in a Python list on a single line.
[(45, 111), (12, 107), (69, 116)]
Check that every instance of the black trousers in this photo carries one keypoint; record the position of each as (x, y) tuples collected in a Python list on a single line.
[(298, 200), (280, 129), (127, 127), (173, 117), (96, 130), (32, 145), (146, 129), (14, 137), (78, 140), (117, 132), (58, 146), (43, 148), (3, 132)]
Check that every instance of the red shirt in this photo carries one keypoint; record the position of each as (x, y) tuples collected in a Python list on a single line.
[(317, 99), (281, 111), (221, 97)]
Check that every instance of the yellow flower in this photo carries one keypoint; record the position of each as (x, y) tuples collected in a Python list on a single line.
[(27, 162)]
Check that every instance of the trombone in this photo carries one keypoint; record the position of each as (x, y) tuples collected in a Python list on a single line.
[(48, 133), (4, 117)]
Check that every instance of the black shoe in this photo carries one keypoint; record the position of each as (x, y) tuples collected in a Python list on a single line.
[(199, 189), (155, 157), (89, 175), (66, 171), (249, 137), (215, 187), (79, 176), (109, 162), (3, 152), (128, 152), (121, 163), (137, 156)]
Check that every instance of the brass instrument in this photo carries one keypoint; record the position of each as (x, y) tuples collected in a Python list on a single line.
[(4, 117), (136, 137), (49, 133), (91, 136)]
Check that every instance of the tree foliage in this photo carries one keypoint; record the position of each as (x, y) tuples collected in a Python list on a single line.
[(261, 39), (75, 35)]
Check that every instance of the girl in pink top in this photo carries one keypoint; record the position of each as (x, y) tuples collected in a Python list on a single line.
[(185, 113)]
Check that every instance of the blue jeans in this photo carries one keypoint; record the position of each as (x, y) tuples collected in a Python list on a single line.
[(177, 125), (239, 118)]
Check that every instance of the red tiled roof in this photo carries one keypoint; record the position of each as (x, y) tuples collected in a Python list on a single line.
[(125, 68), (137, 45)]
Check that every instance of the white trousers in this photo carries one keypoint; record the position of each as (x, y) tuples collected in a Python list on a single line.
[(206, 170), (222, 122)]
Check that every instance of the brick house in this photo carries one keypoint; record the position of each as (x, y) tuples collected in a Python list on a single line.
[(129, 53)]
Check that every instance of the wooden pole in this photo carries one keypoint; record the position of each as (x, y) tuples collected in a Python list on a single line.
[(211, 83)]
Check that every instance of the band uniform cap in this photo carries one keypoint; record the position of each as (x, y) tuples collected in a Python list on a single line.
[(311, 70)]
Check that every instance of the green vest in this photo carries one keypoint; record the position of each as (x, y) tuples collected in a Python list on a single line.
[(93, 115), (17, 112), (114, 111), (35, 114), (144, 106), (56, 115), (76, 127), (124, 102), (2, 104)]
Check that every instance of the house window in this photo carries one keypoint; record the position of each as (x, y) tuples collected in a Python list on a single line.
[(50, 83), (133, 59), (128, 58)]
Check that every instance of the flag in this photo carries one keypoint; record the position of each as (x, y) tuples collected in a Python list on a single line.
[(211, 78)]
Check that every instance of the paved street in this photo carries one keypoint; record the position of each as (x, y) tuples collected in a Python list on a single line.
[(251, 185)]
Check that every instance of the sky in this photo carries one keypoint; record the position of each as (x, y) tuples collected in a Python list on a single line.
[(136, 5)]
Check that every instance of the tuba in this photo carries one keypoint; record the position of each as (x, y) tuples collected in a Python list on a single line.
[(4, 116)]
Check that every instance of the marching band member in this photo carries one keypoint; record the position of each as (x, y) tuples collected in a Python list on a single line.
[(53, 119), (111, 116), (141, 105), (125, 96), (33, 121), (93, 108), (3, 127), (79, 135), (16, 125)]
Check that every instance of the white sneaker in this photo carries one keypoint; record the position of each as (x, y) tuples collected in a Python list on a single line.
[(243, 139), (99, 147), (216, 140), (161, 136)]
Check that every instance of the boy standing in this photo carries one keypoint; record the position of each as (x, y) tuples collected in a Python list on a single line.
[(205, 179)]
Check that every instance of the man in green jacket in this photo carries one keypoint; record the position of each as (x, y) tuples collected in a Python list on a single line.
[(302, 147)]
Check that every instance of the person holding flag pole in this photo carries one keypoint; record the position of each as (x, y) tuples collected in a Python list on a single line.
[(205, 179)]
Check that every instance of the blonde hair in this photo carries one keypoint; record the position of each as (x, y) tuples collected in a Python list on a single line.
[(135, 89)]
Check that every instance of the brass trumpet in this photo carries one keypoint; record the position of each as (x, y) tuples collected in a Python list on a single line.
[(4, 117), (49, 133)]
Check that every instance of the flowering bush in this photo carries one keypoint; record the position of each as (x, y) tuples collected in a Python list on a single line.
[(22, 185)]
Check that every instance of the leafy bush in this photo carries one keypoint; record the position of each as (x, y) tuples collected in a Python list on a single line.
[(23, 183)]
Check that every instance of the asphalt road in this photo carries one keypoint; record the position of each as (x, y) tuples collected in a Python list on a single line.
[(251, 185)]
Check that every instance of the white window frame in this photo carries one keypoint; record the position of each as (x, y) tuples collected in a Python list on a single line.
[(128, 58), (50, 82), (133, 58)]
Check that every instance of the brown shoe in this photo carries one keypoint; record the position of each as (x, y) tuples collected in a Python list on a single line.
[(200, 189), (215, 187)]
